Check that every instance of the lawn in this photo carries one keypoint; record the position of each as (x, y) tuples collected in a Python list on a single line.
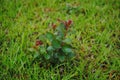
[(95, 35)]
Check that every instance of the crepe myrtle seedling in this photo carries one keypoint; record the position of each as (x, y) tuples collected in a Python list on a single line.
[(54, 47)]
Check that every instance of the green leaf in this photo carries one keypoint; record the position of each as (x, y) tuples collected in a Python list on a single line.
[(71, 55), (42, 49), (50, 48), (61, 30), (49, 36), (56, 55), (59, 38), (61, 27), (66, 49), (47, 56), (56, 44), (68, 41), (61, 58), (36, 55)]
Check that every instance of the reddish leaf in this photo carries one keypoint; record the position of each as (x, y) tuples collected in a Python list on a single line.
[(39, 42), (69, 22), (54, 26)]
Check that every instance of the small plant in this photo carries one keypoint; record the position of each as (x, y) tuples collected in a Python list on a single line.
[(55, 47)]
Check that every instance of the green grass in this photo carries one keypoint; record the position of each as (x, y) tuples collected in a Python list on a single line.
[(95, 36)]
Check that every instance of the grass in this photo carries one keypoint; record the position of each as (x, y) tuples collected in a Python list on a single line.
[(95, 36)]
